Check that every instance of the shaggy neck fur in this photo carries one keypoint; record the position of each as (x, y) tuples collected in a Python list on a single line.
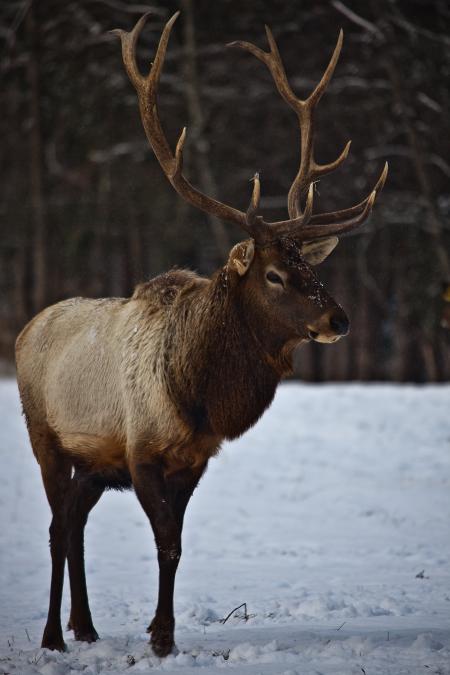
[(224, 378)]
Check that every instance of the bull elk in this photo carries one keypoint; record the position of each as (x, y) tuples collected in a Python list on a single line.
[(140, 392)]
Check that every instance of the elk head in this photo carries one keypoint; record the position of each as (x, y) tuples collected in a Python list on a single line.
[(272, 271)]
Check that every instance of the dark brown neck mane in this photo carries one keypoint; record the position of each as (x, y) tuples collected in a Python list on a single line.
[(218, 370)]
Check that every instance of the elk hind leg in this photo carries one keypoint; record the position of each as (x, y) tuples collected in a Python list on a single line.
[(56, 470), (85, 494)]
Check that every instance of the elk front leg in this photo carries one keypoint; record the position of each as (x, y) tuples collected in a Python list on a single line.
[(181, 485), (151, 490), (179, 488)]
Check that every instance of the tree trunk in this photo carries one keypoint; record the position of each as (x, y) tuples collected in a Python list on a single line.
[(192, 88), (38, 215)]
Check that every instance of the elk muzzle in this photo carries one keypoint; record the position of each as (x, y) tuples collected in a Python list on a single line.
[(330, 326)]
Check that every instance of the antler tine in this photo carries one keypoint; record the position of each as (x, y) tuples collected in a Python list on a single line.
[(255, 225), (309, 205), (253, 207), (323, 218), (316, 95), (349, 218), (322, 169), (179, 154), (155, 71), (274, 63), (319, 231), (128, 40)]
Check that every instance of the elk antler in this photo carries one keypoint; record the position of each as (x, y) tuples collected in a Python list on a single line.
[(309, 169), (301, 225)]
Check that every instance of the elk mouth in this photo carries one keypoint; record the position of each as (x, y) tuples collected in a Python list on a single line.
[(327, 339)]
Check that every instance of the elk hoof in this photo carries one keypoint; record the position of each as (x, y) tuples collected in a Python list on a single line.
[(162, 643), (86, 633), (90, 635), (161, 640), (54, 641)]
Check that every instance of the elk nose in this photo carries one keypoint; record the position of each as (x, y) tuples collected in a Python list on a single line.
[(339, 323)]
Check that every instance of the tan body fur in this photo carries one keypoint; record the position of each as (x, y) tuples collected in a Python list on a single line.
[(94, 372)]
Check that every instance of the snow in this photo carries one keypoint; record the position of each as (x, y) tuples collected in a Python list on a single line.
[(319, 519)]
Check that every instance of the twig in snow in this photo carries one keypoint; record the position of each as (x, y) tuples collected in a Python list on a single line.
[(225, 653), (246, 616), (363, 670), (37, 658), (421, 575), (342, 624), (28, 635)]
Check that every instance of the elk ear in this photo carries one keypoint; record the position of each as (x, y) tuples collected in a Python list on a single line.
[(316, 251), (241, 257)]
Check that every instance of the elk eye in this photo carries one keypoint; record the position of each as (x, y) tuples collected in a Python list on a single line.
[(274, 278)]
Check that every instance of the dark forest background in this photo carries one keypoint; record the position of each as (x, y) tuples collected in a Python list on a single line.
[(86, 210)]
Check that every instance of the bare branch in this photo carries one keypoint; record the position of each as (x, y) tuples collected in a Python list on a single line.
[(357, 19)]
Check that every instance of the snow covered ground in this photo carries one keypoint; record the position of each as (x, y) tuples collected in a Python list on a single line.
[(320, 519)]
